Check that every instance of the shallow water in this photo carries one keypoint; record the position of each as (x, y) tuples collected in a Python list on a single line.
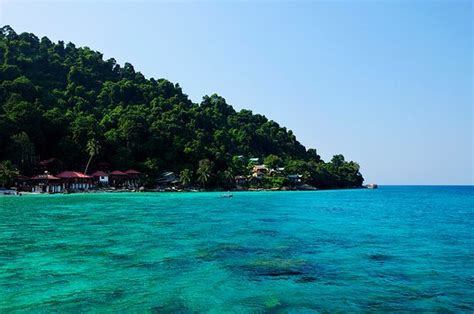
[(391, 249)]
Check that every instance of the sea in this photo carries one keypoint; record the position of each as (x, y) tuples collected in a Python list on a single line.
[(392, 249)]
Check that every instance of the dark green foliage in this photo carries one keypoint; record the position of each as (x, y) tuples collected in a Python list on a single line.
[(8, 172), (56, 98), (273, 161)]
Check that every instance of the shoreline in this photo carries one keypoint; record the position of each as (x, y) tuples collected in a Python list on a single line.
[(118, 191)]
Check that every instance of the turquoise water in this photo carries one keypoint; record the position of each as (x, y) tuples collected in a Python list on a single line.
[(391, 249)]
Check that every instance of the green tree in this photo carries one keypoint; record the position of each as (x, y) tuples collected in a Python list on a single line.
[(299, 167), (228, 179), (273, 161), (313, 155), (185, 177), (22, 147), (337, 161), (204, 171), (8, 172), (93, 149), (238, 165)]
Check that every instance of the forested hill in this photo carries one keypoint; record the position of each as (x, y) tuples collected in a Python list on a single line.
[(59, 100)]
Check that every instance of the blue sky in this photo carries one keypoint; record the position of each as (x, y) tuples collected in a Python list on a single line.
[(386, 83)]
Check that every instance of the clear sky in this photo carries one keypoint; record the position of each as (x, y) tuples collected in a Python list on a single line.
[(386, 83)]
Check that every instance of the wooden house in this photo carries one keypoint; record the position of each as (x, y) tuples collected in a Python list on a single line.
[(101, 177), (76, 181), (118, 178), (134, 178), (46, 183)]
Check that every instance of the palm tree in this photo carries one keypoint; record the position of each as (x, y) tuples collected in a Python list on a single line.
[(204, 171), (92, 149), (7, 172), (185, 177), (228, 177)]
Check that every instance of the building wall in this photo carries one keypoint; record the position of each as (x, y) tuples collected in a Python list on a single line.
[(104, 180)]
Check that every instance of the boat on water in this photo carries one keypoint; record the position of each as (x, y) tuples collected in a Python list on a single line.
[(372, 186), (9, 192), (228, 194)]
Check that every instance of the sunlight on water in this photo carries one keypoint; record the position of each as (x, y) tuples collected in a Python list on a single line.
[(392, 249)]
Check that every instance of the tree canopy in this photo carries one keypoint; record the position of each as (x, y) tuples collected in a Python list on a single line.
[(56, 99)]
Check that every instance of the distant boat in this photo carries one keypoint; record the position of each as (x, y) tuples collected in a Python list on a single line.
[(9, 192), (372, 186), (228, 194)]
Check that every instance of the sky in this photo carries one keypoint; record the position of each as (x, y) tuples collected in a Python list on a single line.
[(388, 84)]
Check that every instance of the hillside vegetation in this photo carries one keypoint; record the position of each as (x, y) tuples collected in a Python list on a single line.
[(59, 100)]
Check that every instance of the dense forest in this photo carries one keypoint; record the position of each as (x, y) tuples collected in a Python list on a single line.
[(59, 100)]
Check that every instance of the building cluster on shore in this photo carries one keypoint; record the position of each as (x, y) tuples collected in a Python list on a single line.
[(51, 178), (259, 171), (75, 181)]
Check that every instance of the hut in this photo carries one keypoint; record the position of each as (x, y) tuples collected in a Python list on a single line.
[(254, 160), (240, 180), (134, 178), (46, 183), (75, 180), (295, 178), (167, 179), (101, 177), (277, 170), (259, 171), (118, 178), (23, 183)]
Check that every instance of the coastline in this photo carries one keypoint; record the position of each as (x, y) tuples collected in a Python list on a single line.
[(119, 191)]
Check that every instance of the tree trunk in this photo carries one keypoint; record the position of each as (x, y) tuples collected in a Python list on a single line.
[(87, 166)]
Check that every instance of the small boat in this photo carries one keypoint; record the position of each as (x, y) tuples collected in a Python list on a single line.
[(228, 194), (9, 192), (372, 186)]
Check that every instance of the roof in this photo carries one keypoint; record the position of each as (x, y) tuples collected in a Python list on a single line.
[(167, 177), (22, 177), (99, 174), (131, 171), (167, 174), (44, 177), (48, 161), (118, 173), (72, 174), (293, 176)]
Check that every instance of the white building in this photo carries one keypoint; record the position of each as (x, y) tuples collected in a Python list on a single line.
[(101, 177)]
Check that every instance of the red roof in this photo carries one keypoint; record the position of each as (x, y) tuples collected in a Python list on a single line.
[(73, 174), (48, 161), (99, 174), (118, 173), (22, 177), (44, 177), (131, 171)]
